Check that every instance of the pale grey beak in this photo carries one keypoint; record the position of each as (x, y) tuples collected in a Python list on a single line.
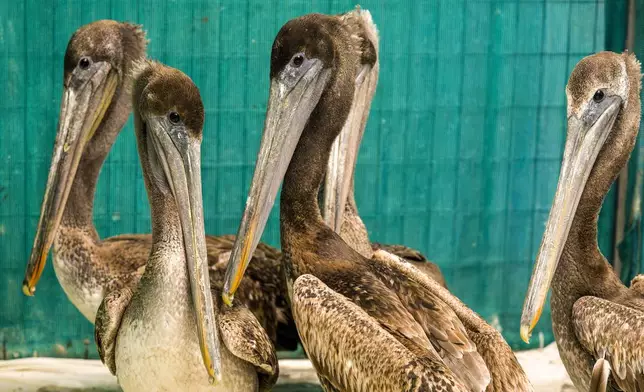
[(344, 151), (181, 162), (288, 111), (81, 111), (583, 144)]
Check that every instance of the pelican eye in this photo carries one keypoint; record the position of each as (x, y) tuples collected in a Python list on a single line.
[(84, 62), (599, 96), (298, 59), (174, 117)]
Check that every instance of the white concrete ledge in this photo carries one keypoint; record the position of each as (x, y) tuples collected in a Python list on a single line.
[(544, 368)]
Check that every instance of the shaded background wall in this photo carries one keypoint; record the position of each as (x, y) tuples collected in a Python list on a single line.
[(460, 158)]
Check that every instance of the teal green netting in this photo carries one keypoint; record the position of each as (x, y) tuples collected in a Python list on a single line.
[(460, 158)]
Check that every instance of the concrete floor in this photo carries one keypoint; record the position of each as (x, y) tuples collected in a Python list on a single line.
[(544, 368)]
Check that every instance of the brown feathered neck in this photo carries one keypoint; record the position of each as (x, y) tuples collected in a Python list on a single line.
[(299, 203), (80, 205)]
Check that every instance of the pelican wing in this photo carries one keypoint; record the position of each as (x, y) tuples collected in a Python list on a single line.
[(439, 322), (416, 258), (352, 351), (245, 338), (614, 332), (402, 251), (505, 371), (123, 258), (107, 324), (384, 306)]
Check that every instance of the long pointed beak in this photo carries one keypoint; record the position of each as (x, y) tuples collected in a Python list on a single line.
[(181, 162), (82, 110), (288, 111), (344, 151), (583, 145)]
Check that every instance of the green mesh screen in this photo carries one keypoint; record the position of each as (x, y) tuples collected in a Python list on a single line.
[(460, 158)]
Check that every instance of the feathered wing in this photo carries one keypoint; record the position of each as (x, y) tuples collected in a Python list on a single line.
[(439, 322), (401, 251), (123, 257), (107, 324), (416, 258), (352, 351), (245, 338), (504, 369), (613, 332)]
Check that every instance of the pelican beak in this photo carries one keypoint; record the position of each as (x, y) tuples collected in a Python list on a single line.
[(344, 151), (82, 109), (289, 108), (586, 136), (179, 156)]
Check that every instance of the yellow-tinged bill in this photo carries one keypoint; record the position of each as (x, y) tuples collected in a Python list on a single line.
[(587, 133), (289, 107), (82, 110)]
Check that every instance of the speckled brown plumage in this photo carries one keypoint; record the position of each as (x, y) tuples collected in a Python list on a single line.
[(315, 304), (414, 257), (362, 300), (263, 289), (505, 371), (637, 284), (89, 267), (245, 338), (593, 314)]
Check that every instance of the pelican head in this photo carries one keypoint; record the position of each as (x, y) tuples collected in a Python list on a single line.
[(314, 63), (97, 63)]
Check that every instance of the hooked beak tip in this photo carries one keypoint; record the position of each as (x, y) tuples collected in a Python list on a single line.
[(525, 333), (214, 379), (27, 289), (235, 272), (227, 298), (527, 327)]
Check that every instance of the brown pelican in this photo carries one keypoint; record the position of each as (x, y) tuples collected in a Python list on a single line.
[(340, 211), (595, 318), (393, 328), (154, 342), (95, 106)]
